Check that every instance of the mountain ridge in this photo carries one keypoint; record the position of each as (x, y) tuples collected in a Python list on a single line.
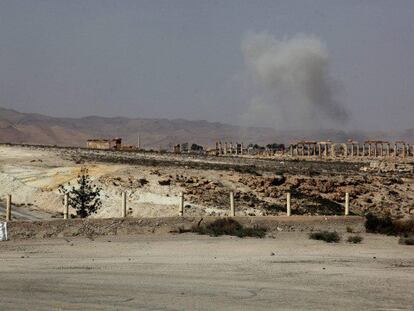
[(33, 128)]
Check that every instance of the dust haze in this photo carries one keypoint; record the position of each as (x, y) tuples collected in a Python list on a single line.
[(290, 84)]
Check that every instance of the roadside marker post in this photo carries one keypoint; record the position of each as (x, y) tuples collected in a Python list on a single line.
[(346, 204), (66, 206), (288, 206), (8, 207), (124, 205), (232, 210), (181, 206)]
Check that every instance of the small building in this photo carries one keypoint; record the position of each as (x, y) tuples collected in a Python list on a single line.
[(104, 144)]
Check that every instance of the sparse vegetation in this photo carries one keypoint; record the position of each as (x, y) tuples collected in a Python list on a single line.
[(227, 226), (327, 236), (407, 240), (349, 229), (375, 224), (356, 239), (386, 225)]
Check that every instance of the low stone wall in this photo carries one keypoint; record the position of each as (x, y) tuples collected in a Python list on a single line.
[(163, 225)]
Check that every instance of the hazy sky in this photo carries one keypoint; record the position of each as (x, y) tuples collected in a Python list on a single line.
[(200, 60)]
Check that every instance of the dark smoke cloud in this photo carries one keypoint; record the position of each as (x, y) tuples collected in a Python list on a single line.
[(291, 83)]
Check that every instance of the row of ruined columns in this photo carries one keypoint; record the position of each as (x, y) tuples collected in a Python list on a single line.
[(311, 149), (368, 149), (229, 148)]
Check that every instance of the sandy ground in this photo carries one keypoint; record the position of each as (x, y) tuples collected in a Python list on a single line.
[(190, 272)]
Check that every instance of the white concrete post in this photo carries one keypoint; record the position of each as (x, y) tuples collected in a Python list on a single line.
[(66, 206), (288, 210), (181, 206), (346, 204), (8, 207), (124, 205), (232, 211)]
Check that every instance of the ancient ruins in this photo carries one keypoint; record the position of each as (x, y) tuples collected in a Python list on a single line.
[(104, 144), (301, 149), (350, 149)]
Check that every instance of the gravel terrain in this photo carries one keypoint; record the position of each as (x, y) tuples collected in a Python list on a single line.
[(190, 272)]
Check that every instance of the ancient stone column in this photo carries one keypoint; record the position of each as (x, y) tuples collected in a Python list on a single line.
[(319, 149), (363, 149), (369, 149), (395, 150)]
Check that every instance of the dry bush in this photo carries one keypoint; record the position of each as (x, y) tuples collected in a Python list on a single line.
[(349, 229), (356, 239), (226, 226), (327, 236), (406, 241), (387, 225)]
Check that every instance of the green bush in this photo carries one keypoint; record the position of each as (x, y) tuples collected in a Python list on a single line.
[(327, 236), (355, 239)]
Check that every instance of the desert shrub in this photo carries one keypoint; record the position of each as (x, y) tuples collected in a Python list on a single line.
[(407, 241), (404, 226), (349, 229), (375, 224), (355, 239), (327, 236), (228, 226), (386, 225)]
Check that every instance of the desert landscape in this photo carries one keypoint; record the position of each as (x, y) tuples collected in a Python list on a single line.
[(206, 155), (153, 183)]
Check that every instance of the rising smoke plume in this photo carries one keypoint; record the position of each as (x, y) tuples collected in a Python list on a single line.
[(290, 82)]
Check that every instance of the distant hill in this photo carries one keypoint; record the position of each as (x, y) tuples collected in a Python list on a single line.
[(17, 127)]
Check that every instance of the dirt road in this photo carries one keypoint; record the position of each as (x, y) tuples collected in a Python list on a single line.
[(190, 272), (23, 213)]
